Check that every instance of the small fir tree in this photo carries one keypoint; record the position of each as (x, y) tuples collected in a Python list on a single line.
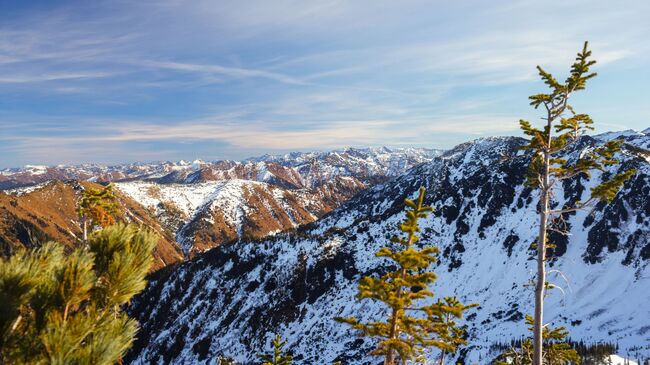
[(226, 361), (59, 309), (410, 329), (556, 350), (97, 207), (562, 127), (278, 356), (445, 314)]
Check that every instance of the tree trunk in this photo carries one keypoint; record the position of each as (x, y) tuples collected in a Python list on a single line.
[(541, 255), (16, 323), (85, 234), (390, 356), (394, 332), (442, 358), (539, 288)]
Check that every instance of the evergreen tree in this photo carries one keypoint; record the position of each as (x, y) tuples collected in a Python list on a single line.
[(278, 356), (410, 329), (65, 309), (97, 207), (226, 361), (556, 350), (445, 314), (562, 127)]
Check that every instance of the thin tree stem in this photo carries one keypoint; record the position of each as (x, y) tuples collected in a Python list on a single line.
[(541, 245), (85, 233), (16, 323)]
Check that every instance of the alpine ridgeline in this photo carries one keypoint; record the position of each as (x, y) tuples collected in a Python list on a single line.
[(198, 205), (225, 301)]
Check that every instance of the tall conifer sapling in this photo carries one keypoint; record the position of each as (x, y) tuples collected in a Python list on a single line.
[(562, 127), (278, 357), (410, 329)]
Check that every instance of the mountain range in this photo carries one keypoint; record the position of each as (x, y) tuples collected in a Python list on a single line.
[(199, 205), (297, 169), (277, 244)]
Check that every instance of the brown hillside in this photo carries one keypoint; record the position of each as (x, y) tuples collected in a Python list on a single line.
[(262, 210), (48, 213)]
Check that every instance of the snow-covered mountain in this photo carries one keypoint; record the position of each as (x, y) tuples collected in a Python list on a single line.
[(204, 204), (205, 215), (11, 178), (369, 165), (230, 300), (294, 170)]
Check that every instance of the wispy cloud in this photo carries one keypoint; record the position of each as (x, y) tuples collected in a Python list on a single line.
[(37, 78), (106, 141), (235, 77), (213, 69)]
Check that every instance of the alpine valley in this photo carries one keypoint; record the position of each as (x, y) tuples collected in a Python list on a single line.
[(277, 245)]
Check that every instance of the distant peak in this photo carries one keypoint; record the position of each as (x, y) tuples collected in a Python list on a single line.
[(623, 133)]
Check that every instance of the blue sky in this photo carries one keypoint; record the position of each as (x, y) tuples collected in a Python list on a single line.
[(122, 81)]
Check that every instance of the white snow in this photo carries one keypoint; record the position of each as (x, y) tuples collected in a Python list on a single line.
[(620, 360)]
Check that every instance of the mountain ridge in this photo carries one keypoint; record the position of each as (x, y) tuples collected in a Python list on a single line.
[(274, 196), (201, 171)]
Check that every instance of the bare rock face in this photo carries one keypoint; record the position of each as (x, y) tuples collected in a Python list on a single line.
[(32, 216), (226, 301)]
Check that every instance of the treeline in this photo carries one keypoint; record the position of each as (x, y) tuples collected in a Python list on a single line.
[(590, 353)]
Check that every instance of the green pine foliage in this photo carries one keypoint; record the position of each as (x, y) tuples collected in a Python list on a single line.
[(97, 207), (564, 126), (410, 329), (278, 357), (65, 309), (557, 351)]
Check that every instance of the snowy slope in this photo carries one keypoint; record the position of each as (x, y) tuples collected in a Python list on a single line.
[(204, 215), (209, 203), (618, 360), (229, 301)]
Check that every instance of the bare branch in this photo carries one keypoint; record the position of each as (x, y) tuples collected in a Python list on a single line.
[(562, 232), (569, 176), (579, 206), (566, 280)]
